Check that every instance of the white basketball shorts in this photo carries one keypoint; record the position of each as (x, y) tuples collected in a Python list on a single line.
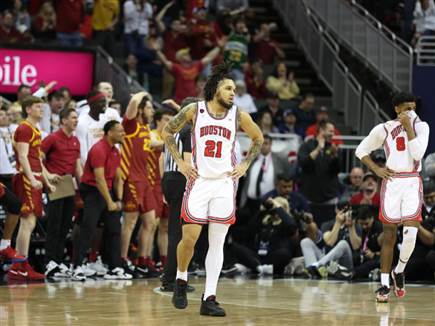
[(209, 200), (401, 198)]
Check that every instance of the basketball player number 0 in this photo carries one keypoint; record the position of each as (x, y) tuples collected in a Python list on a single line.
[(213, 149), (400, 144)]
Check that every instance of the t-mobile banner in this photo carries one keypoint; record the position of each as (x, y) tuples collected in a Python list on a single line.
[(74, 70)]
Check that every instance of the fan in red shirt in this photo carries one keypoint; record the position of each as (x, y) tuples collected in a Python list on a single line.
[(266, 50), (204, 33), (138, 197), (322, 115), (186, 70), (369, 194), (28, 183)]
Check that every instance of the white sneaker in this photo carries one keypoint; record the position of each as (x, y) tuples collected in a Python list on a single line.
[(265, 269), (65, 272), (117, 274), (88, 271), (242, 269), (98, 267), (52, 269), (78, 274)]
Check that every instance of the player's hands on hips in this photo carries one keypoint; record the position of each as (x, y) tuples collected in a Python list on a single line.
[(36, 184), (384, 173), (239, 171), (405, 120), (188, 170)]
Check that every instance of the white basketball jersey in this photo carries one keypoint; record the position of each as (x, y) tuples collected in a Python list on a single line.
[(213, 142), (396, 147)]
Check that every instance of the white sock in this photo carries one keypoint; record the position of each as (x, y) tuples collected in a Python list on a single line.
[(181, 275), (385, 279), (4, 244), (215, 257), (408, 245)]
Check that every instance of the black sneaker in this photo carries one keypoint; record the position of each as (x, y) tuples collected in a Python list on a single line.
[(129, 268), (210, 307), (141, 271), (179, 299), (169, 287), (382, 294), (399, 284)]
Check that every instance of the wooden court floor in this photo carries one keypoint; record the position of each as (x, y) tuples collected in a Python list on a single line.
[(247, 302)]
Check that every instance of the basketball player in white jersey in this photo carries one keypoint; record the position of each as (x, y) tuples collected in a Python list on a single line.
[(405, 141), (212, 176)]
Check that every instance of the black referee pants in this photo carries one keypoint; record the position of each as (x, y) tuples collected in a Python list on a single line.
[(59, 221), (94, 209), (173, 185)]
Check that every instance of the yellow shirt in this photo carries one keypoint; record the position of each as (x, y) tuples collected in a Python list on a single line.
[(283, 90), (105, 12)]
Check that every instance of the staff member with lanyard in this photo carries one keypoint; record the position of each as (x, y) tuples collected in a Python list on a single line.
[(173, 184), (102, 189), (62, 157)]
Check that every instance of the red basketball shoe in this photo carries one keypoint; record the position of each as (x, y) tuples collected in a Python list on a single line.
[(10, 254)]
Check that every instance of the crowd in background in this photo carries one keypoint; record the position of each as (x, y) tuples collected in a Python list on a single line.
[(297, 217)]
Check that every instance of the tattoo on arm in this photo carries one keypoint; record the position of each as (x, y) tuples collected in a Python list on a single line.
[(174, 126), (253, 152)]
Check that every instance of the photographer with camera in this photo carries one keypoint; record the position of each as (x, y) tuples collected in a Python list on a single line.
[(270, 233), (341, 237), (371, 241)]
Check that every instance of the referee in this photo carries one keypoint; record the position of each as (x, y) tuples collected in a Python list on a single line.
[(173, 184)]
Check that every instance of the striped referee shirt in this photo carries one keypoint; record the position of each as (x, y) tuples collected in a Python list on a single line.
[(183, 142)]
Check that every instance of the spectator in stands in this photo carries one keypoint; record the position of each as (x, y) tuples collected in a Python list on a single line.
[(282, 83), (255, 83), (320, 164), (70, 14), (101, 190), (8, 32), (200, 83), (174, 39), (233, 7), (62, 157), (288, 126), (265, 122), (244, 100), (269, 233), (262, 176), (28, 184), (421, 265), (137, 14), (66, 93), (371, 242), (236, 50), (265, 49), (204, 33), (71, 104), (273, 107), (114, 104), (15, 115), (185, 70), (22, 17), (341, 236), (305, 113), (23, 91), (429, 166), (104, 18), (424, 19), (352, 184), (51, 120), (44, 24), (322, 115), (369, 194)]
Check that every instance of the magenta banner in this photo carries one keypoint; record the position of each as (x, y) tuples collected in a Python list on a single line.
[(74, 70)]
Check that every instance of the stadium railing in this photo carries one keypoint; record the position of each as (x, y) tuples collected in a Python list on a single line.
[(425, 51), (375, 44)]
